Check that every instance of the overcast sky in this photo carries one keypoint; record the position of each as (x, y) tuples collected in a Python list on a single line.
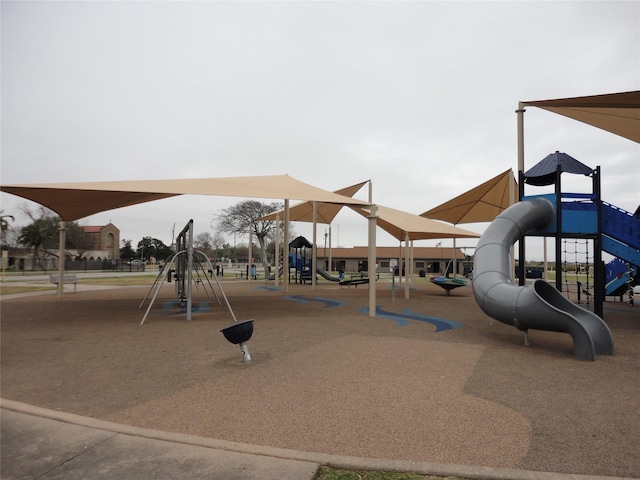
[(418, 97)]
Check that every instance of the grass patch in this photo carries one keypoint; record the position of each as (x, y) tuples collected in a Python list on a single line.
[(123, 281), (6, 290), (328, 473)]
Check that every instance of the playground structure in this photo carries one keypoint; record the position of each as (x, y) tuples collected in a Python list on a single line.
[(298, 258), (189, 268), (302, 265), (540, 306), (449, 283)]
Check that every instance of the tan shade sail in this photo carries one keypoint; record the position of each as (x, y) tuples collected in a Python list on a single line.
[(480, 204), (617, 113), (72, 201), (401, 224), (325, 212)]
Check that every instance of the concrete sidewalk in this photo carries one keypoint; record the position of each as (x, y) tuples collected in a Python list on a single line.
[(42, 444), (72, 447)]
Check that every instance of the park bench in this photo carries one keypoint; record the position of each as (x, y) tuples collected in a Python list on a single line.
[(241, 274), (67, 278), (355, 280)]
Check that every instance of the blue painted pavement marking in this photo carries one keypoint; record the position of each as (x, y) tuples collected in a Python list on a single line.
[(389, 316), (174, 307), (304, 300), (266, 287), (403, 318), (297, 298)]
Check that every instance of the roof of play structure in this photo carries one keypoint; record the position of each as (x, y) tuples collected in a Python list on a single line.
[(300, 242), (73, 201), (544, 172), (617, 113)]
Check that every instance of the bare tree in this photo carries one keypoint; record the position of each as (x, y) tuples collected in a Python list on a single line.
[(218, 241), (203, 241), (244, 217)]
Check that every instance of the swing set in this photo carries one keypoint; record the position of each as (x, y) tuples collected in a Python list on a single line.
[(189, 269)]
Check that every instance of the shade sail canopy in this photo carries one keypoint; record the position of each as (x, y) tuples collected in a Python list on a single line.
[(402, 224), (544, 172), (325, 212), (617, 113), (480, 204), (72, 201)]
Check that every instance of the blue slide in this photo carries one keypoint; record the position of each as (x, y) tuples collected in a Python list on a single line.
[(538, 306), (621, 234), (618, 275), (621, 238)]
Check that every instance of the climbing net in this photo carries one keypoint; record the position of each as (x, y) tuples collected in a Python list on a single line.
[(577, 269)]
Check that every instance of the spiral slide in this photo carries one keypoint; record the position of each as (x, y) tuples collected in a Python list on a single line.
[(538, 306)]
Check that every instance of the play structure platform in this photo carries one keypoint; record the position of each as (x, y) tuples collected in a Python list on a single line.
[(620, 229)]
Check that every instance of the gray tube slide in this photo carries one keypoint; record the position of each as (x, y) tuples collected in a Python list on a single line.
[(539, 306)]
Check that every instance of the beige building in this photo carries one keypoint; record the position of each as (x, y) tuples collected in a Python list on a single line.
[(432, 260), (100, 243), (104, 239)]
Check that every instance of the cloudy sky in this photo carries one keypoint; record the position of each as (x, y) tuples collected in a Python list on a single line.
[(418, 97)]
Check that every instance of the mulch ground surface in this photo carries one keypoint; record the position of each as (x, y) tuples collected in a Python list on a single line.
[(327, 377)]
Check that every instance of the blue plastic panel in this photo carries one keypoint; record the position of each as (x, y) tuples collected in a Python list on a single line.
[(578, 217), (621, 225)]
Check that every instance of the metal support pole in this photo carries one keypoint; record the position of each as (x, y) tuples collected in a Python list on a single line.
[(521, 243), (330, 266), (598, 267), (250, 253), (189, 268), (276, 274), (285, 247), (558, 229), (371, 271), (62, 239), (407, 265), (372, 260), (314, 251)]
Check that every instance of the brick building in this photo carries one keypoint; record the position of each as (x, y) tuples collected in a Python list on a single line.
[(428, 259)]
